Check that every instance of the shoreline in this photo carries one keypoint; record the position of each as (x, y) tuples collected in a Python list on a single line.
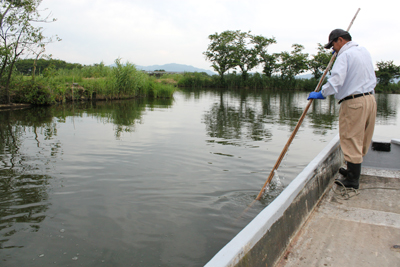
[(13, 106)]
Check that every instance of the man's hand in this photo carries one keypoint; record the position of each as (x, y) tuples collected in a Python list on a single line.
[(315, 95)]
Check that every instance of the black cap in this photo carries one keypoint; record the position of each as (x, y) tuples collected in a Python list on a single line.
[(333, 35)]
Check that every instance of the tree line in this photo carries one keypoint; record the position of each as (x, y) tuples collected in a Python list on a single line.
[(26, 66), (237, 50)]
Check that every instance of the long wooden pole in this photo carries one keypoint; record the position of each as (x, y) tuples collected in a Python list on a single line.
[(285, 149)]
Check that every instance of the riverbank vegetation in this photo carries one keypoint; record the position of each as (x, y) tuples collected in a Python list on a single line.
[(57, 81), (261, 81), (235, 80), (97, 82)]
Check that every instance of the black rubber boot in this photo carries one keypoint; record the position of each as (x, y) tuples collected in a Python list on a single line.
[(352, 179), (343, 172)]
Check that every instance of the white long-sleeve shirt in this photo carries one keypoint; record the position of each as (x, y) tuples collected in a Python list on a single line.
[(353, 73)]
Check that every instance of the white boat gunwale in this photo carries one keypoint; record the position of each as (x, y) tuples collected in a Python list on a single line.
[(265, 238)]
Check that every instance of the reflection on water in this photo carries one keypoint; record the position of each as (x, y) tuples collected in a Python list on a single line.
[(387, 106), (150, 183), (24, 200), (23, 189)]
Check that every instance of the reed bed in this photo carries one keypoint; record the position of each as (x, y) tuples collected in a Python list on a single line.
[(124, 81), (99, 82), (234, 80)]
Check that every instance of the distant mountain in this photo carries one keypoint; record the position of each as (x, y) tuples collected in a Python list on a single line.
[(174, 67)]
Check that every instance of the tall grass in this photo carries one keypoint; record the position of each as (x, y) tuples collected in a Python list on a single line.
[(125, 81), (390, 88), (257, 81), (196, 79), (234, 80), (92, 82)]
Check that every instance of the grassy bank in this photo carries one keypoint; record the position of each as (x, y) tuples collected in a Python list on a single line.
[(256, 81), (88, 83), (100, 82), (231, 81), (391, 88)]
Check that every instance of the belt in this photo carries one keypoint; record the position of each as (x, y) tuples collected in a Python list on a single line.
[(354, 96)]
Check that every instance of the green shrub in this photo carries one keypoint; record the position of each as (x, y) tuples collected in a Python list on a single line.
[(34, 93), (126, 79), (195, 79), (390, 88)]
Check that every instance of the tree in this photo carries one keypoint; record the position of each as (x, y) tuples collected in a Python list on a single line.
[(245, 57), (221, 52), (269, 63), (387, 72), (251, 50), (293, 63), (320, 61), (232, 49), (268, 60), (19, 35)]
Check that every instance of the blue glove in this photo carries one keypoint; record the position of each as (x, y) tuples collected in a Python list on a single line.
[(315, 95)]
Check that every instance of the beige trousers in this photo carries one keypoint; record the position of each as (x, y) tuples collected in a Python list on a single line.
[(356, 127)]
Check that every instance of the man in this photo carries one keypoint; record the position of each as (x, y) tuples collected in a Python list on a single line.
[(352, 81)]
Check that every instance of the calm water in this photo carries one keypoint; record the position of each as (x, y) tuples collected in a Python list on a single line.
[(161, 183)]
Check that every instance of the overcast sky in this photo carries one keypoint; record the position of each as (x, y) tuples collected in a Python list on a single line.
[(156, 32)]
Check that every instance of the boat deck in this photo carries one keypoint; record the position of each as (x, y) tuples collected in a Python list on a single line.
[(363, 230)]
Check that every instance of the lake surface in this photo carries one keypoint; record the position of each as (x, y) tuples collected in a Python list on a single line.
[(152, 183)]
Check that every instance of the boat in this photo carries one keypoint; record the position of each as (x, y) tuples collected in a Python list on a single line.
[(315, 222)]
